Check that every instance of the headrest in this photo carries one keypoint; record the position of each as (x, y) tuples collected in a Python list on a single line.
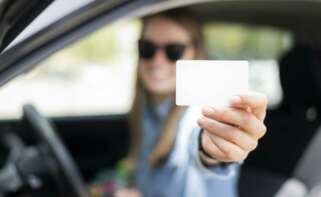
[(300, 75)]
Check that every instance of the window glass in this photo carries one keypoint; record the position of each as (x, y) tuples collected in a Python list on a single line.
[(93, 76), (97, 74), (262, 46)]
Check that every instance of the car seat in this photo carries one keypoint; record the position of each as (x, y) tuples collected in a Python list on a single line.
[(291, 128)]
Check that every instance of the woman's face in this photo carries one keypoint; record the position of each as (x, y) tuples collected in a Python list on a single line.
[(158, 72)]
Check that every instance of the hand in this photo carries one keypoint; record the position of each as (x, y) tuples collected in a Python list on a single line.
[(231, 133)]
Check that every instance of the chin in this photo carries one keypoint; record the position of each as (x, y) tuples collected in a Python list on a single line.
[(159, 90)]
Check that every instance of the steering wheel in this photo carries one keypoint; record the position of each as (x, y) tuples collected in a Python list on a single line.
[(53, 154)]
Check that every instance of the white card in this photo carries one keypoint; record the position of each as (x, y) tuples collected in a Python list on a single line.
[(209, 82)]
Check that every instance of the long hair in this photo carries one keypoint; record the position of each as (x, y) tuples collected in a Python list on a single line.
[(163, 146)]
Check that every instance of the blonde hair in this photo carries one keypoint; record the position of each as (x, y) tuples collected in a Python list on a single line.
[(167, 137)]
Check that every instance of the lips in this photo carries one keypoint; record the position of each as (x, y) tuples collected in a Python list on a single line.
[(158, 74)]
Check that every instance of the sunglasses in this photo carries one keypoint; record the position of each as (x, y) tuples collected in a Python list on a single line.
[(173, 51)]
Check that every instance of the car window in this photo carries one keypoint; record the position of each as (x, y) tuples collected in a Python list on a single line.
[(262, 46), (97, 74), (92, 76)]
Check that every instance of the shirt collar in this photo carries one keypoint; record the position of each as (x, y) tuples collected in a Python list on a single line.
[(162, 109)]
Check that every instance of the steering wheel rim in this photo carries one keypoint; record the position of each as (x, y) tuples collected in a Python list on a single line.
[(51, 146)]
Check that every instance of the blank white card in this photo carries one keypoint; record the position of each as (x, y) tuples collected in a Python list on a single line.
[(209, 82)]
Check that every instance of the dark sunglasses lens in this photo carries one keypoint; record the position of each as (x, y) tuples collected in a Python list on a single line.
[(175, 51), (146, 49)]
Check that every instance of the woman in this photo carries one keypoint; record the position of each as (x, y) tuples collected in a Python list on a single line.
[(176, 151)]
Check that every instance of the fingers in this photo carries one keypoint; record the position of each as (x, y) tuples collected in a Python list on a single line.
[(210, 147), (257, 102), (238, 118), (221, 149), (229, 133)]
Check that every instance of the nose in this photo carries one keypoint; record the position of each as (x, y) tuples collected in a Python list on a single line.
[(160, 58)]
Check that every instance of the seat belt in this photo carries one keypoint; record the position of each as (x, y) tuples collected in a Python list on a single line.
[(307, 174), (308, 169), (315, 192)]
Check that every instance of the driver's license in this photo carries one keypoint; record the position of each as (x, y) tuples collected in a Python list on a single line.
[(209, 82)]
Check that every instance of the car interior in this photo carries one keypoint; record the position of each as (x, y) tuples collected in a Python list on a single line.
[(297, 116), (287, 160)]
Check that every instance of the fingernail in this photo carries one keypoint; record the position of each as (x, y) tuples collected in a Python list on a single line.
[(208, 110), (235, 99), (201, 120)]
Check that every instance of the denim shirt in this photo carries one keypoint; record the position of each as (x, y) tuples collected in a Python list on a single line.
[(182, 174)]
